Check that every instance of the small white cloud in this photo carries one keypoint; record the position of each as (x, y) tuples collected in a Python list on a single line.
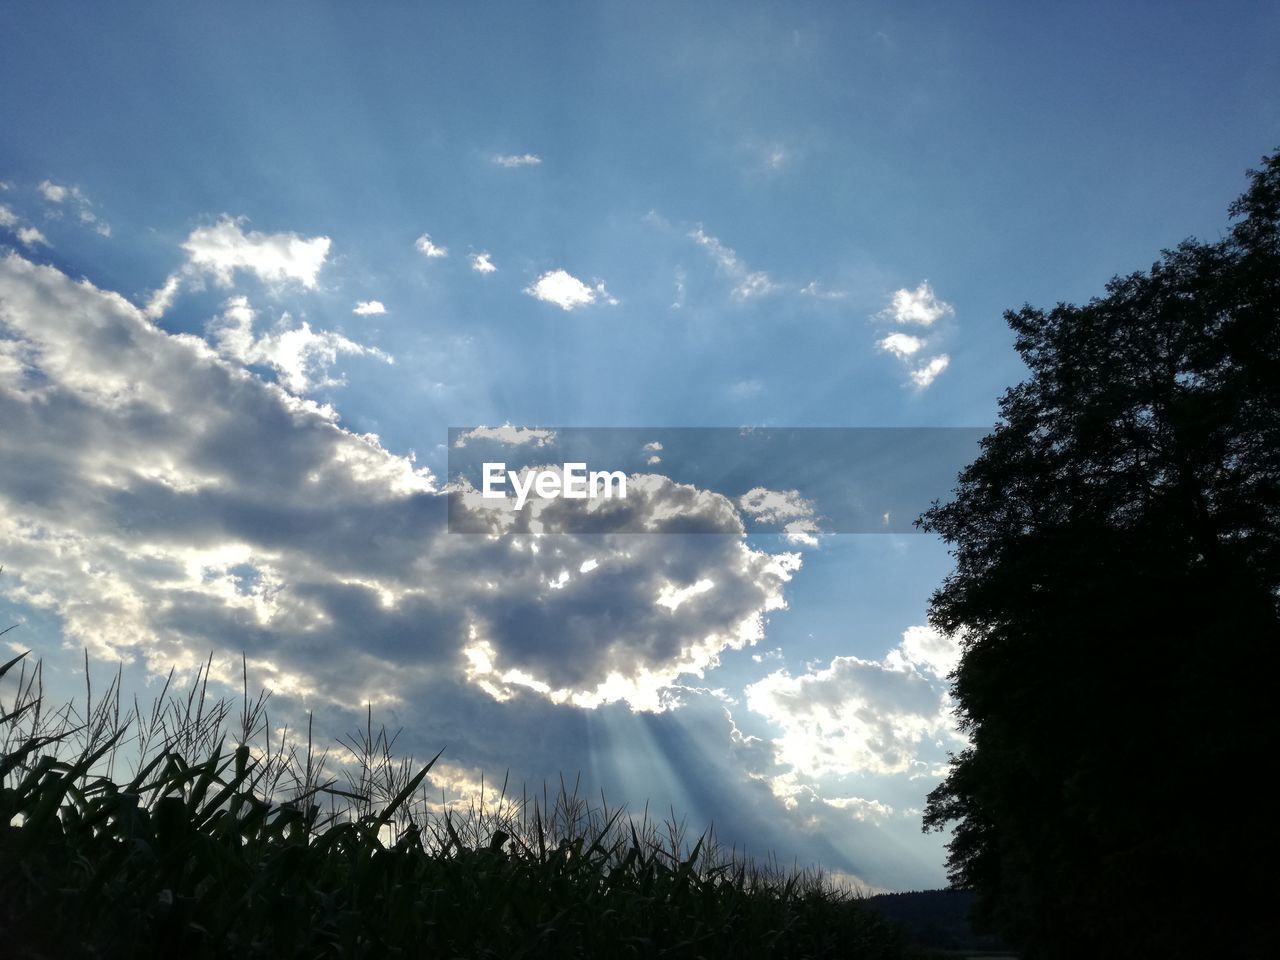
[(31, 237), (481, 263), (369, 308), (55, 192), (513, 160), (653, 445), (224, 248), (901, 345), (428, 249), (567, 291), (925, 375), (919, 306), (7, 217)]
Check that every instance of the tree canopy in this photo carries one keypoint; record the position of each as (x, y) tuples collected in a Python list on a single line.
[(1117, 592)]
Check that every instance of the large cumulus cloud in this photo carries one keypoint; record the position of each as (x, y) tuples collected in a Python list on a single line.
[(165, 501)]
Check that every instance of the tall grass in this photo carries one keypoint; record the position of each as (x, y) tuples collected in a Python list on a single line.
[(188, 829)]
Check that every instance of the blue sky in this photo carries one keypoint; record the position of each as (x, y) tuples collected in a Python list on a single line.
[(782, 215)]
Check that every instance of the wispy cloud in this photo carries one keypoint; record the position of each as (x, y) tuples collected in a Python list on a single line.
[(481, 263), (301, 357), (58, 193), (513, 160), (748, 283), (508, 434), (814, 289)]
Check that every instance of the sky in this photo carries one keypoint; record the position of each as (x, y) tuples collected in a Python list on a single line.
[(257, 260)]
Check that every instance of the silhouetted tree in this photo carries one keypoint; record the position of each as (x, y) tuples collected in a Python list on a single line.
[(1117, 592)]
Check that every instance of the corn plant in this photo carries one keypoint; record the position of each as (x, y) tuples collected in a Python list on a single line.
[(189, 829)]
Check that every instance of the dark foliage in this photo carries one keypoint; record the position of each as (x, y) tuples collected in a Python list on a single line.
[(936, 919), (1116, 587), (206, 850)]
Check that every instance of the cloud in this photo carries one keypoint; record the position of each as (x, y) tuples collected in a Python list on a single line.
[(747, 283), (788, 508), (774, 506), (162, 501), (925, 375), (162, 298), (31, 237), (369, 308), (59, 193), (927, 650), (54, 192), (428, 249), (275, 258), (901, 345), (481, 263), (89, 218), (514, 160), (919, 306), (814, 289), (301, 357), (512, 436), (858, 716), (566, 291)]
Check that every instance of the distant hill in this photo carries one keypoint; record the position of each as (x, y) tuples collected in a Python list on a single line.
[(936, 919)]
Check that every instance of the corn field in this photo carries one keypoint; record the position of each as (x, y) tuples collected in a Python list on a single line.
[(187, 829)]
